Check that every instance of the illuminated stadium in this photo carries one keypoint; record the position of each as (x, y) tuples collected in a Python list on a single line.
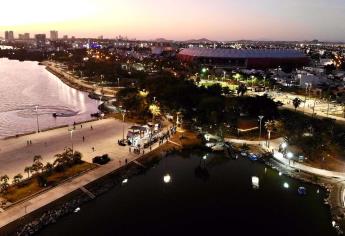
[(244, 58)]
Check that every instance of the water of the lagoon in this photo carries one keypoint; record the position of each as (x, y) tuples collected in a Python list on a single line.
[(26, 84), (224, 204)]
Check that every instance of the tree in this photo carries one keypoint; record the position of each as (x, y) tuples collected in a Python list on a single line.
[(37, 166), (4, 183), (241, 90), (296, 103), (48, 167), (28, 170), (17, 179), (155, 111), (270, 126)]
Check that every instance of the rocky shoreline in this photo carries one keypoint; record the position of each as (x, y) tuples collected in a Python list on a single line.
[(326, 184), (51, 213)]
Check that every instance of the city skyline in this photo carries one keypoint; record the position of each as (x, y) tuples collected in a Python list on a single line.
[(177, 20)]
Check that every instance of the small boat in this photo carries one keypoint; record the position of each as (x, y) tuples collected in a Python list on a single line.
[(302, 191), (253, 157), (77, 210)]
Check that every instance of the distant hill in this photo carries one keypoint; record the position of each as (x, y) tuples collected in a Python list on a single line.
[(162, 40), (202, 40)]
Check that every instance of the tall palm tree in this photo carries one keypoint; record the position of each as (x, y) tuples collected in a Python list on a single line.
[(27, 170), (270, 126), (296, 103), (4, 183), (155, 111), (17, 178)]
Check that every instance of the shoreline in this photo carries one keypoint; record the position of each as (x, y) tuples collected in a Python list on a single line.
[(74, 82), (332, 186), (68, 203)]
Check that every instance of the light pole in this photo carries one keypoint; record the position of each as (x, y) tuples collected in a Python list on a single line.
[(118, 82), (289, 156), (123, 113), (38, 126), (71, 137), (260, 118)]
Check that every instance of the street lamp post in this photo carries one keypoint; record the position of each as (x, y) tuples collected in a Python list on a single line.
[(260, 118), (123, 113), (71, 137), (289, 156), (118, 82), (38, 126)]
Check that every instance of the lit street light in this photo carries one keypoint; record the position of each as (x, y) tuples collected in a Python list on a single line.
[(71, 136), (118, 82), (289, 156), (123, 113), (284, 145), (38, 126), (167, 178), (260, 118)]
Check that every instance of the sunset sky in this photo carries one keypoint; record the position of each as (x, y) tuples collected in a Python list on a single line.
[(179, 19)]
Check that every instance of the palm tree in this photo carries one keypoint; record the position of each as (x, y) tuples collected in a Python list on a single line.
[(155, 111), (37, 158), (28, 170), (296, 103), (48, 167), (4, 183), (270, 126), (17, 179), (76, 158), (37, 165)]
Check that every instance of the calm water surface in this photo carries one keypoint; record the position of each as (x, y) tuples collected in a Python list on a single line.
[(23, 85), (220, 201)]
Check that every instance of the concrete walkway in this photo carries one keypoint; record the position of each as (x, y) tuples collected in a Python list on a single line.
[(15, 155), (274, 147)]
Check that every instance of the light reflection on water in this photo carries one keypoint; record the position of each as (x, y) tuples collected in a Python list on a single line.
[(26, 84)]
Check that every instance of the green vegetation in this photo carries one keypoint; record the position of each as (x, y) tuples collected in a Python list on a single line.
[(66, 164)]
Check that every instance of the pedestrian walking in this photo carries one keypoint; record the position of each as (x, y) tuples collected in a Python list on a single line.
[(91, 127), (83, 139), (27, 142), (93, 149), (30, 142), (81, 126), (126, 161)]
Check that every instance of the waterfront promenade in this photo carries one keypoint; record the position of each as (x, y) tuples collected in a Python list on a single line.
[(15, 155), (75, 81), (274, 147)]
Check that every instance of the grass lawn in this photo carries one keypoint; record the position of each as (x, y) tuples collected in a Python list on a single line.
[(31, 186)]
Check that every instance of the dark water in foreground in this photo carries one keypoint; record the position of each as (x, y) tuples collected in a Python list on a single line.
[(225, 203)]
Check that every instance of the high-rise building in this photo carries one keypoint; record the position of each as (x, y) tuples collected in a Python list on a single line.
[(27, 36), (9, 36), (40, 40), (54, 35)]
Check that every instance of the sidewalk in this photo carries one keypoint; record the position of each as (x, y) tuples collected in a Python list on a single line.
[(274, 147), (118, 156)]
